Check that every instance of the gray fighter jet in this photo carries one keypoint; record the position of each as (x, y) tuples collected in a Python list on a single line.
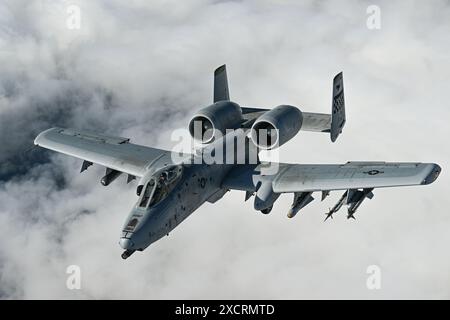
[(173, 185)]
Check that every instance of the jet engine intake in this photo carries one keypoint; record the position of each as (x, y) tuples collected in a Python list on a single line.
[(276, 127), (219, 116)]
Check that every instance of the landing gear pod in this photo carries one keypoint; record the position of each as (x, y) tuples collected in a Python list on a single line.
[(265, 197)]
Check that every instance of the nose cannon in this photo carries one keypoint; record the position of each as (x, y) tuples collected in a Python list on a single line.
[(127, 253)]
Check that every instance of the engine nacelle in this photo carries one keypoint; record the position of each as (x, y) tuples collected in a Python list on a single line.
[(219, 116), (276, 127)]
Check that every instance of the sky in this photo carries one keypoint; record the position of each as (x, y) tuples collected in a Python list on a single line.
[(141, 69)]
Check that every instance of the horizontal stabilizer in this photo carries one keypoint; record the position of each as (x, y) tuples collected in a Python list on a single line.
[(316, 122)]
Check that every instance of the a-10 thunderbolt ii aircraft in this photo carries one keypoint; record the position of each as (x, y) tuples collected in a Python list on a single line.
[(174, 185)]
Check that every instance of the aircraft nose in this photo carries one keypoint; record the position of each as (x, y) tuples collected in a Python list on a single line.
[(125, 243)]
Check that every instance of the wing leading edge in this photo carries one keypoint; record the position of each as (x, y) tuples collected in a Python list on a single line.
[(116, 153), (358, 179), (294, 178), (352, 175)]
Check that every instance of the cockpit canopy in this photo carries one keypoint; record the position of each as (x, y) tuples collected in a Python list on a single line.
[(159, 186)]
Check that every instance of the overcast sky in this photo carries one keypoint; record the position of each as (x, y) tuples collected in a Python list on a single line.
[(140, 69)]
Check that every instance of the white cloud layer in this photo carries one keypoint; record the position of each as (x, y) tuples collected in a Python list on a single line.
[(140, 69)]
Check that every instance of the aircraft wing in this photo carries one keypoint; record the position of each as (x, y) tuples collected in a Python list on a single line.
[(325, 177), (352, 175), (115, 153)]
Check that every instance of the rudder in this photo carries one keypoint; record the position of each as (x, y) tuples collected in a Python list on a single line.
[(338, 107), (221, 84)]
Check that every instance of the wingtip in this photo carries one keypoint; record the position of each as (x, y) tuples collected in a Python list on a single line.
[(433, 174), (41, 135), (220, 69)]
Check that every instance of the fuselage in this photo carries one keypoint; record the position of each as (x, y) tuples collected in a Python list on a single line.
[(194, 183), (197, 184)]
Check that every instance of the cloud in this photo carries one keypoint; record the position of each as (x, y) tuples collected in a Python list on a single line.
[(142, 69)]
